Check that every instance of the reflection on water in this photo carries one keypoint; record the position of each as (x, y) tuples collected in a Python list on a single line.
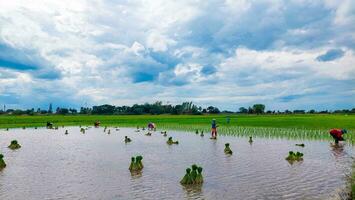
[(94, 165)]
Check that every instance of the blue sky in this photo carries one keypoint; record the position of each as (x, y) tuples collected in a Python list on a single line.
[(232, 53)]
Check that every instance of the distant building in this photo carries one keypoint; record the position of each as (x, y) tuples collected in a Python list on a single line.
[(50, 109)]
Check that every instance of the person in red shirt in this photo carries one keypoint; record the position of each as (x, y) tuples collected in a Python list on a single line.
[(337, 134)]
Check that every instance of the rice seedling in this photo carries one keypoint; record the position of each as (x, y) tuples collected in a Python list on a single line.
[(136, 164), (199, 177), (186, 180), (227, 149), (109, 131), (2, 162), (250, 139), (193, 176), (82, 130), (14, 145), (300, 145), (148, 134), (292, 157), (66, 132), (127, 139), (170, 141)]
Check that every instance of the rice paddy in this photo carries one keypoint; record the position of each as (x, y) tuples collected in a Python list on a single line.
[(98, 165), (312, 127)]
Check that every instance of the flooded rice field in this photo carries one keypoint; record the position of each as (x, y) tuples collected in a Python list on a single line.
[(94, 165)]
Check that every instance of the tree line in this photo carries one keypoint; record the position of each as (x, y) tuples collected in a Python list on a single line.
[(158, 108)]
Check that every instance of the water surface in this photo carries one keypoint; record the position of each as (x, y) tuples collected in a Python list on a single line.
[(51, 165)]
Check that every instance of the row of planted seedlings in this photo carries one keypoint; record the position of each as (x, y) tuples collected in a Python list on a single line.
[(266, 132)]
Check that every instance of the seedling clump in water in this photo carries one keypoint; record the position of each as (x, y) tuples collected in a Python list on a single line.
[(294, 156), (170, 141), (192, 177), (14, 145), (300, 145), (227, 149), (2, 162), (127, 139), (136, 164)]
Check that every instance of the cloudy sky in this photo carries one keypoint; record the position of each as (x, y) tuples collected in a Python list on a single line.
[(227, 53)]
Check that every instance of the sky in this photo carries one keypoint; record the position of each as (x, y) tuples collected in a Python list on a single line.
[(232, 53)]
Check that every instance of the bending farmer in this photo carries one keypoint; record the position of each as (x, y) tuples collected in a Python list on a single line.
[(337, 134)]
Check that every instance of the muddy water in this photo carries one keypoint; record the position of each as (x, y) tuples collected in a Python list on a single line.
[(51, 165)]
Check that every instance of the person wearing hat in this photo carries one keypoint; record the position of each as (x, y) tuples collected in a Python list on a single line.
[(214, 129), (337, 134)]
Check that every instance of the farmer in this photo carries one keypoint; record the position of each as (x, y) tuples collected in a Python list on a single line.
[(49, 125), (337, 134), (214, 129), (151, 126), (97, 124)]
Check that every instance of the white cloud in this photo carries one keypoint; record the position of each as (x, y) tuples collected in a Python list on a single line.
[(136, 51)]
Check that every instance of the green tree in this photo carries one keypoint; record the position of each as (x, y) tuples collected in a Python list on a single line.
[(258, 108)]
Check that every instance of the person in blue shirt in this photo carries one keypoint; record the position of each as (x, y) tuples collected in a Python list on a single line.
[(214, 129)]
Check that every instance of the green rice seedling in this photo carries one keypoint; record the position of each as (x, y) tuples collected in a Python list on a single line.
[(136, 164), (24, 127), (143, 128), (7, 129), (300, 145), (109, 131), (35, 127), (170, 141), (66, 132), (2, 162), (250, 139), (227, 149), (186, 180), (294, 156), (194, 173), (196, 132), (133, 165), (199, 177), (56, 128), (82, 130), (202, 134), (165, 134), (139, 162), (14, 145), (127, 139)]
